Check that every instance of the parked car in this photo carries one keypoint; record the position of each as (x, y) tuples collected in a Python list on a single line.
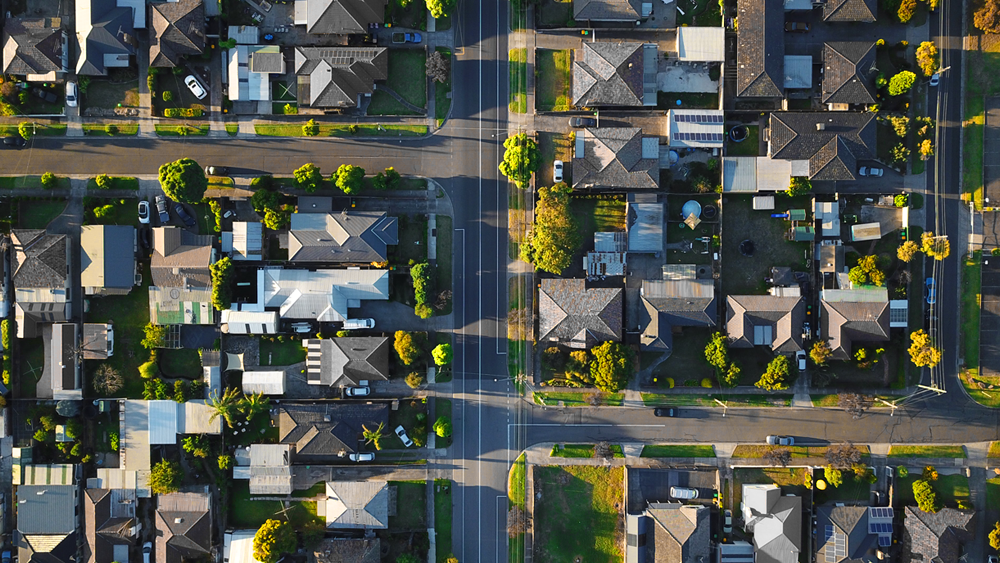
[(229, 213), (147, 548), (935, 79), (780, 440), (871, 171), (192, 83), (363, 456), (727, 522), (143, 211), (161, 208), (358, 391), (557, 171), (183, 214), (144, 239), (358, 324), (407, 442), (217, 170), (683, 493), (399, 38), (71, 94), (582, 122), (301, 328), (993, 559), (15, 141), (6, 557), (800, 359), (929, 291), (796, 27), (666, 412)]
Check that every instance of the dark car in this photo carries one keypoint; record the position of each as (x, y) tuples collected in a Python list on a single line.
[(667, 412), (14, 141), (161, 208), (144, 238), (582, 122), (797, 27), (49, 97), (188, 220), (217, 171)]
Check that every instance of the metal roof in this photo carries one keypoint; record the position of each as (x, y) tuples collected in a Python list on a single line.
[(357, 504), (244, 34), (46, 509), (701, 44), (107, 257), (163, 422), (247, 240), (264, 382), (134, 440), (249, 322), (798, 71), (866, 231), (323, 295)]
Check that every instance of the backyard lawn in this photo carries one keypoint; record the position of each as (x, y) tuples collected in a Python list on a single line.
[(31, 354), (703, 13), (247, 513), (744, 275), (411, 503), (37, 214), (677, 451), (129, 313), (790, 479), (850, 489), (277, 353), (747, 147), (552, 87), (577, 499), (408, 78), (182, 362)]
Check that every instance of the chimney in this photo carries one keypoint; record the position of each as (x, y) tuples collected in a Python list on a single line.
[(821, 126)]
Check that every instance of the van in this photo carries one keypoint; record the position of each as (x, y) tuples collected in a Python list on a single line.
[(684, 493), (356, 324)]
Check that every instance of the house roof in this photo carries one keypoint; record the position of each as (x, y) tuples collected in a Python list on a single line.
[(178, 30), (849, 72), (107, 258), (608, 74), (108, 520), (776, 523), (680, 533), (347, 361), (270, 469), (54, 548), (39, 259), (760, 49), (348, 236), (863, 314), (105, 32), (753, 320), (63, 364), (265, 382), (248, 240), (180, 259), (644, 222), (850, 11), (337, 76), (577, 316), (670, 303), (843, 534), (357, 504), (343, 16), (607, 10), (938, 537), (701, 44), (832, 142), (47, 510), (32, 46), (323, 295), (323, 431), (183, 526), (615, 158), (347, 550)]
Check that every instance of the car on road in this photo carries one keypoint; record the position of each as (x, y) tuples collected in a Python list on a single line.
[(183, 214), (666, 412), (15, 141), (935, 79), (401, 432), (800, 359), (399, 38), (362, 391), (871, 171), (773, 440), (363, 456), (727, 525), (796, 27), (6, 557), (929, 291), (217, 170), (192, 83), (359, 324), (147, 548), (557, 171), (161, 208), (683, 493), (143, 211), (582, 122), (71, 94), (993, 559)]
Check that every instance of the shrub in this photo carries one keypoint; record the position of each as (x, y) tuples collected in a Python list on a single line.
[(926, 149), (833, 476), (103, 181), (149, 370), (776, 376), (165, 477), (151, 82), (167, 95), (414, 379), (611, 366), (900, 154), (225, 461), (902, 81), (925, 496), (900, 124), (442, 427), (310, 129), (113, 441), (902, 471), (308, 177), (900, 200), (5, 334), (408, 346), (423, 310), (442, 354), (49, 180), (222, 286), (289, 109), (274, 539), (906, 10), (928, 58)]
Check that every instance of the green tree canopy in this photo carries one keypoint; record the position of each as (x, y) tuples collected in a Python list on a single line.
[(820, 352), (409, 346), (439, 8), (924, 495), (227, 406), (349, 178), (442, 354), (611, 366), (373, 434), (442, 426), (554, 237), (183, 180), (520, 159), (222, 283), (165, 477), (308, 177), (274, 539), (799, 185), (275, 219), (901, 83), (264, 198), (776, 376), (717, 351)]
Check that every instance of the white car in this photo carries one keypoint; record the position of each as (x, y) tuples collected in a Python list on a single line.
[(727, 526), (401, 432), (364, 456), (356, 324), (192, 83), (143, 212), (147, 548), (71, 94), (358, 391), (557, 171), (780, 441), (683, 493), (800, 358), (871, 171)]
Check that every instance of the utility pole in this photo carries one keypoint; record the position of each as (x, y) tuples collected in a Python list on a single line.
[(891, 405), (725, 407)]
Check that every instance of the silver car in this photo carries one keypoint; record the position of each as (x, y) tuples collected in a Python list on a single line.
[(683, 493), (401, 433)]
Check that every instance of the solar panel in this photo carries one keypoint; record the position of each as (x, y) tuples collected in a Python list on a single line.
[(828, 534), (884, 541), (879, 528)]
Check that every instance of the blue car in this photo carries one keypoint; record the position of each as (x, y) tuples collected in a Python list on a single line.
[(929, 292)]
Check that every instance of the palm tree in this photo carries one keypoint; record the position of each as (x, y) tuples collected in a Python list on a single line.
[(374, 437), (226, 406), (254, 404)]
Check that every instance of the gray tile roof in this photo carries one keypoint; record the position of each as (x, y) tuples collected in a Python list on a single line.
[(324, 295), (183, 527), (346, 361), (608, 74), (337, 76), (46, 509), (577, 316), (347, 550), (850, 11), (178, 29), (107, 258), (607, 10), (938, 538), (782, 316), (108, 31), (108, 518), (63, 364), (348, 236), (670, 303), (40, 259), (321, 432), (778, 534), (343, 16), (851, 523), (180, 259), (832, 142), (680, 533), (844, 322), (32, 46), (849, 72), (612, 158), (760, 49), (357, 504)]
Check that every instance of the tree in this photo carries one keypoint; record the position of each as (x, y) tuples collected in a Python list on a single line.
[(263, 199), (867, 272), (442, 354), (107, 380), (901, 82), (254, 404), (408, 346), (820, 352), (926, 497), (731, 376), (907, 251), (863, 472), (995, 536), (349, 178), (906, 10), (899, 153), (928, 58), (554, 236), (926, 149), (222, 283), (778, 456), (854, 403), (165, 477), (717, 351), (73, 428), (180, 391), (439, 8), (155, 336), (442, 426), (423, 310), (900, 124), (422, 281), (930, 473), (226, 406), (902, 471), (373, 436), (776, 376), (414, 379), (798, 185), (183, 180), (438, 67), (149, 369), (937, 247), (833, 476), (26, 130), (225, 462), (310, 129), (196, 446), (308, 177), (49, 180), (842, 456), (611, 367), (275, 219), (274, 539), (517, 521), (987, 18), (922, 353), (520, 159)]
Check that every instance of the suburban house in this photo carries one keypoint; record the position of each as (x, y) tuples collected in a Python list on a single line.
[(178, 30), (356, 505), (847, 11), (775, 521), (105, 32), (822, 145), (64, 362), (696, 128), (852, 533), (576, 316), (760, 49), (321, 295), (338, 77), (347, 361), (680, 299), (614, 74), (183, 526), (107, 259), (937, 537), (340, 17), (629, 12), (615, 158), (237, 546), (41, 280), (327, 431), (358, 237), (347, 550), (250, 69), (245, 241), (671, 532), (47, 517), (644, 223), (249, 322), (268, 468), (849, 74), (35, 48), (765, 320), (849, 315), (181, 259), (110, 526)]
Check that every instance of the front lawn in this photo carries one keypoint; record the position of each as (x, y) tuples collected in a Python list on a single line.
[(111, 93), (572, 450), (38, 214), (248, 513), (686, 361), (949, 488), (406, 416), (677, 451), (411, 506), (442, 518), (581, 518), (120, 214), (274, 352), (130, 314), (552, 87), (927, 451), (408, 78), (182, 362), (577, 399), (553, 146)]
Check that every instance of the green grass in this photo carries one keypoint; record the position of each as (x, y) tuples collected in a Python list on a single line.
[(442, 518), (516, 483), (553, 83), (518, 63), (790, 479), (994, 450), (597, 215), (29, 183), (361, 130), (98, 129), (406, 416), (412, 241), (188, 129), (982, 79), (572, 450), (314, 491), (949, 488), (117, 183), (927, 451), (281, 353), (232, 129), (677, 451), (971, 299), (575, 399), (445, 234), (31, 354), (40, 129), (834, 401), (183, 362), (757, 451), (555, 13), (993, 493), (686, 400), (849, 490), (442, 103), (248, 513), (705, 13), (408, 78), (121, 214), (748, 147), (411, 503), (442, 407), (581, 516), (38, 214)]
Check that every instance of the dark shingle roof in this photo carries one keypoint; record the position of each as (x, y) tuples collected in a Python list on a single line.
[(577, 316), (938, 537), (844, 322), (336, 76), (178, 29), (850, 11), (180, 259), (782, 316), (680, 533), (39, 259), (183, 527), (32, 46), (347, 361), (608, 74), (110, 31), (612, 158), (760, 49), (849, 522), (832, 151), (108, 517), (849, 72), (343, 16), (670, 303), (355, 236), (607, 10), (323, 431)]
